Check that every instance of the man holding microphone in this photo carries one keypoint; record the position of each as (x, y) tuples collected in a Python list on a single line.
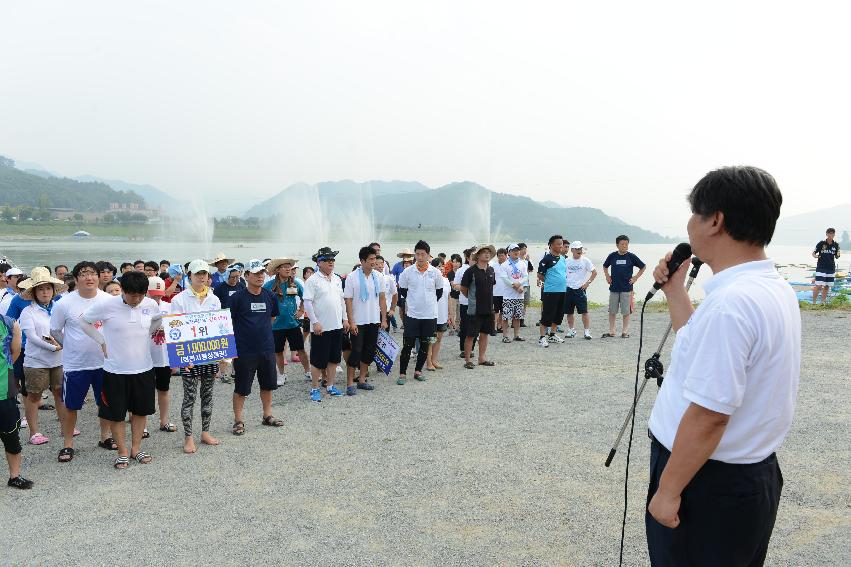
[(729, 395)]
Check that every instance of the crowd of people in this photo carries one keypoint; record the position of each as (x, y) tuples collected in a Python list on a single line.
[(97, 328)]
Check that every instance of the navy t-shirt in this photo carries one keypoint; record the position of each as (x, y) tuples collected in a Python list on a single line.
[(621, 270), (827, 254), (225, 291), (252, 321)]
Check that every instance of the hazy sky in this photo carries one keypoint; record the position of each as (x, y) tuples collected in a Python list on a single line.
[(616, 106)]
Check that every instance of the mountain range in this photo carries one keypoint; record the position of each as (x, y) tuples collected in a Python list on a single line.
[(808, 228)]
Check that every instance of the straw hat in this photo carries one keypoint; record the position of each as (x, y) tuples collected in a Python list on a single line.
[(37, 277), (273, 266), (474, 255), (406, 253), (220, 257)]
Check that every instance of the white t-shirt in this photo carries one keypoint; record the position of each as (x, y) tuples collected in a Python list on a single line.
[(499, 288), (507, 276), (443, 304), (389, 288), (79, 351), (187, 302), (369, 311), (326, 293), (35, 324), (740, 355), (462, 299), (578, 271), (127, 333), (421, 299)]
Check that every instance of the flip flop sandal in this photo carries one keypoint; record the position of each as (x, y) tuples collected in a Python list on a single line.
[(624, 335), (108, 444), (607, 336), (506, 340), (66, 452), (142, 458), (238, 428), (487, 363), (272, 421), (469, 365), (76, 432), (170, 427), (46, 407), (146, 433), (38, 439), (121, 463), (419, 376)]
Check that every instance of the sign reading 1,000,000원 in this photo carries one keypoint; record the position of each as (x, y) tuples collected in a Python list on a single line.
[(199, 338)]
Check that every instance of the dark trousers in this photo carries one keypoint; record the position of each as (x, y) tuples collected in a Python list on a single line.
[(462, 330), (726, 515)]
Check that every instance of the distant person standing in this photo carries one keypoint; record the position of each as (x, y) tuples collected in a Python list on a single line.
[(221, 263), (515, 277), (553, 277), (580, 273), (477, 284), (827, 252), (10, 415), (622, 263)]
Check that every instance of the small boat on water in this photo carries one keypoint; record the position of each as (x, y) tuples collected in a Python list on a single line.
[(81, 234)]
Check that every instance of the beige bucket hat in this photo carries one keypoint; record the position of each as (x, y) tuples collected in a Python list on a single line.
[(273, 265), (39, 276)]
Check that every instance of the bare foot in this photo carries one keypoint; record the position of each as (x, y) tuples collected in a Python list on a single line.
[(189, 445), (208, 439)]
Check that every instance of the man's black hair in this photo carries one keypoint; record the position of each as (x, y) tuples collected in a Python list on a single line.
[(138, 262), (747, 196), (379, 257), (422, 245), (522, 245), (374, 245), (124, 265), (4, 267), (134, 282), (437, 262), (104, 266), (829, 230), (304, 271), (553, 238), (153, 265), (621, 237), (441, 255), (49, 269), (467, 252), (70, 282), (456, 257), (80, 266), (60, 266), (501, 251), (166, 262), (365, 252)]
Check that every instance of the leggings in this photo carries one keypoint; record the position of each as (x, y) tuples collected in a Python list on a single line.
[(11, 442), (407, 345), (206, 375)]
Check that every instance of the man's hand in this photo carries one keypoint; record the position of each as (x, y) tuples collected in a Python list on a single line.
[(384, 324), (518, 287), (354, 328), (675, 281), (664, 509), (632, 280), (347, 327), (609, 279), (317, 328)]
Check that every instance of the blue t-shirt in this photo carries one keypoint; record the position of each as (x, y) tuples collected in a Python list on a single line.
[(397, 270), (225, 291), (622, 267), (219, 278), (555, 272), (287, 307), (252, 321)]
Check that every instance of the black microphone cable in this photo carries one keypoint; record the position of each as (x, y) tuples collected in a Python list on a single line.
[(632, 430)]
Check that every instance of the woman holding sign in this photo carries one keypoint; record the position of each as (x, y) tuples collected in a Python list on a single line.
[(196, 298)]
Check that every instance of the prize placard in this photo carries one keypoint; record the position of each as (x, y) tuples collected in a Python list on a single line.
[(386, 352), (199, 338)]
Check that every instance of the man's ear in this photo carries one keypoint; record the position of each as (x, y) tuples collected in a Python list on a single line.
[(717, 225)]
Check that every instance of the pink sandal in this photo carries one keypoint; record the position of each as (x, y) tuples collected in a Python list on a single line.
[(38, 439)]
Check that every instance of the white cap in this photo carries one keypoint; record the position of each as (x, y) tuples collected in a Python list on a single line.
[(196, 266), (13, 272), (576, 244), (512, 246), (255, 266)]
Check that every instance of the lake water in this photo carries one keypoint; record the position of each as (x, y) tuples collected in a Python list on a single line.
[(29, 253)]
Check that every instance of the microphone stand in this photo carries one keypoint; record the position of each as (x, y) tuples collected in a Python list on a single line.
[(652, 366)]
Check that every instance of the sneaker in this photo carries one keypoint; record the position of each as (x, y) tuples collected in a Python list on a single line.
[(570, 333), (351, 391), (587, 335), (544, 342), (333, 391), (519, 339), (282, 378), (20, 482), (365, 386), (316, 395), (400, 381), (555, 338), (506, 340)]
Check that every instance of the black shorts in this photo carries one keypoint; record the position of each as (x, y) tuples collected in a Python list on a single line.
[(127, 392), (347, 342), (326, 348), (497, 304), (246, 367), (552, 308), (479, 324), (162, 377), (292, 336), (575, 299), (419, 327), (364, 344)]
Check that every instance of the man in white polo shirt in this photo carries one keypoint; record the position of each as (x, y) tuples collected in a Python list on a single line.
[(366, 310), (128, 321), (323, 303), (728, 398)]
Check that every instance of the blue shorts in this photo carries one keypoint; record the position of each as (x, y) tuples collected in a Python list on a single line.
[(75, 386)]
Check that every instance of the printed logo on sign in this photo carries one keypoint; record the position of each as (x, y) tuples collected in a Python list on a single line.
[(175, 323), (174, 334), (258, 307)]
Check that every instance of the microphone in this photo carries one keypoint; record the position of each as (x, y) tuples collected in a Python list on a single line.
[(680, 254)]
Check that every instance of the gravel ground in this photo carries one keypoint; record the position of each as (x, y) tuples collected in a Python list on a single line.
[(498, 466)]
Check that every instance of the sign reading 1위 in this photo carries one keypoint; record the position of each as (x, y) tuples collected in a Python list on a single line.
[(199, 338), (386, 351)]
